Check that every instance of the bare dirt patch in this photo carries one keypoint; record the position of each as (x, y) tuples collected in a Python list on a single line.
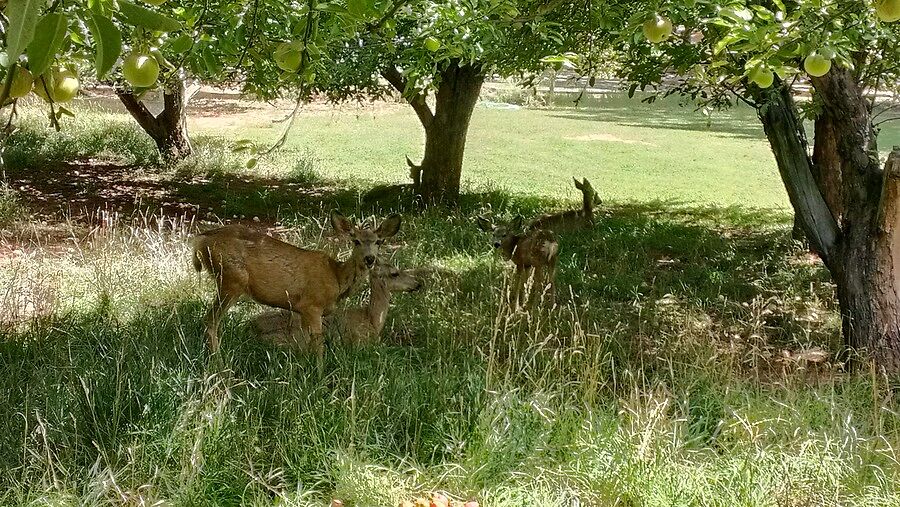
[(609, 138)]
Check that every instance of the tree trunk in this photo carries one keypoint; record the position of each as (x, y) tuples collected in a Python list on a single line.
[(445, 129), (863, 253), (868, 272), (169, 128)]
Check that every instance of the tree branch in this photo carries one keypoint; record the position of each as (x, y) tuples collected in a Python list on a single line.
[(396, 79), (784, 129), (396, 6), (139, 111)]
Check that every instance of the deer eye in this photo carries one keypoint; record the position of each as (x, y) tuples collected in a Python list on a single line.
[(379, 242), (395, 275), (357, 242)]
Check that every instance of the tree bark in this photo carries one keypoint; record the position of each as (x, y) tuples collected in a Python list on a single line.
[(169, 128), (445, 129), (827, 163)]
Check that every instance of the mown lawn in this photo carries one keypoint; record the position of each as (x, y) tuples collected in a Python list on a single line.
[(664, 377)]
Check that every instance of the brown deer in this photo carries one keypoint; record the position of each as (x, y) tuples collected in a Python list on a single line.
[(573, 219), (535, 253), (246, 262), (358, 325)]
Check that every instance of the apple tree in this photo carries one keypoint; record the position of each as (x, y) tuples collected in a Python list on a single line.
[(267, 48), (444, 51), (719, 52)]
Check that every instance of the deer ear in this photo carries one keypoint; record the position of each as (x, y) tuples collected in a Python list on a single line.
[(578, 184), (410, 162), (340, 223), (389, 227), (484, 224)]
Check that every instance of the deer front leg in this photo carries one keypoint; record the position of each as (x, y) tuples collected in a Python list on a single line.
[(312, 318), (536, 294), (519, 282), (223, 301)]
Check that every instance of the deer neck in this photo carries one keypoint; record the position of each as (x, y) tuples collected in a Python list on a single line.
[(379, 302), (587, 206), (508, 248), (350, 273)]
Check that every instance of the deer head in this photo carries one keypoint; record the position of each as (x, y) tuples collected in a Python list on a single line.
[(366, 242)]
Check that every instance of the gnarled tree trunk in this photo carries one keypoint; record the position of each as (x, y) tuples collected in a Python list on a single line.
[(445, 128), (863, 252), (168, 129), (868, 272)]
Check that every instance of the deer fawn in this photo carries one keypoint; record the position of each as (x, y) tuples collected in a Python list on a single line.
[(534, 252), (572, 219), (358, 325), (274, 273)]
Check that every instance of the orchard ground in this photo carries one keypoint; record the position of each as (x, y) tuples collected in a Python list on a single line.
[(681, 366)]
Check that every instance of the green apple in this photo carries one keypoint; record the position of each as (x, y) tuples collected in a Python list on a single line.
[(66, 86), (657, 29), (21, 83), (141, 71), (62, 86), (432, 44), (816, 65), (288, 55), (762, 77), (887, 10)]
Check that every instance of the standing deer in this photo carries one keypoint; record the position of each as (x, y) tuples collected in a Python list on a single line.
[(534, 252), (246, 262), (573, 219), (358, 325)]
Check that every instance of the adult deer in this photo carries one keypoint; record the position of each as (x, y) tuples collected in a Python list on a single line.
[(245, 262), (573, 219), (534, 252), (359, 325)]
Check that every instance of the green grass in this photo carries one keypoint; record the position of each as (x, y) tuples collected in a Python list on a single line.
[(659, 380), (630, 150)]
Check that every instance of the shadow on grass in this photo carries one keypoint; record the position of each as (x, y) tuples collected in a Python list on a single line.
[(739, 124)]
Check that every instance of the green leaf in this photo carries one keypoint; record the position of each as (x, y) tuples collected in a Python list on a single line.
[(181, 44), (251, 163), (141, 16), (23, 18), (108, 40), (48, 37), (357, 8)]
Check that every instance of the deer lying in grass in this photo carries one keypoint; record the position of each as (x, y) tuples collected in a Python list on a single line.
[(358, 325), (245, 262), (573, 219), (534, 252)]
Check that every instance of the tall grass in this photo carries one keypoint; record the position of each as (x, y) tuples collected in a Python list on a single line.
[(660, 378), (650, 384)]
